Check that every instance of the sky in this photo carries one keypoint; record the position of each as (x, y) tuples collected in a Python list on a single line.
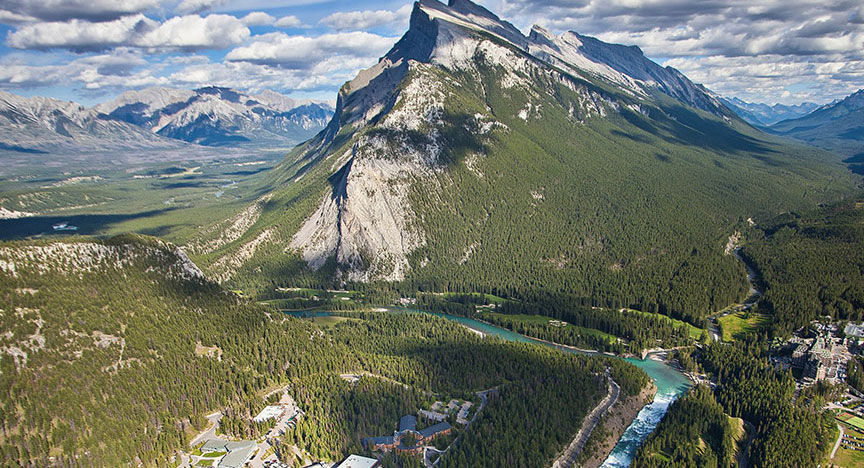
[(90, 51)]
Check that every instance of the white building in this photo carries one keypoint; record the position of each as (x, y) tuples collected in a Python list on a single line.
[(269, 412), (356, 461)]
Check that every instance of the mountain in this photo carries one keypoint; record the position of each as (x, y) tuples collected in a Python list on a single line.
[(838, 126), (39, 124), (214, 116), (474, 158), (765, 115), (158, 118)]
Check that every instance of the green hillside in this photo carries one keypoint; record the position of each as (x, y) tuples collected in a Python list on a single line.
[(113, 352), (631, 208), (838, 126), (812, 264)]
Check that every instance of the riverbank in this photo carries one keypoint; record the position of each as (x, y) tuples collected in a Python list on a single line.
[(620, 416)]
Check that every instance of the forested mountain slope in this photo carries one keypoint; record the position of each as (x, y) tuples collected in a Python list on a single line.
[(812, 265), (472, 157), (112, 352)]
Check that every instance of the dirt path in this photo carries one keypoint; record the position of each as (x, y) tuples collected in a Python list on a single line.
[(568, 458), (837, 444)]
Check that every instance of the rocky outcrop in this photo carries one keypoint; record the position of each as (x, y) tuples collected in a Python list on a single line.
[(394, 116)]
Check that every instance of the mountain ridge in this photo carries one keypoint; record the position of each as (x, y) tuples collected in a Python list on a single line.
[(764, 115), (157, 118), (449, 162), (838, 126)]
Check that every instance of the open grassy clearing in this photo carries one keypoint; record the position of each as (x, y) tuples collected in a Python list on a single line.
[(736, 325), (548, 322), (847, 458), (851, 420), (694, 331)]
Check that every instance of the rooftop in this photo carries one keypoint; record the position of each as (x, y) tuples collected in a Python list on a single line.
[(269, 412), (356, 461), (434, 429), (408, 423)]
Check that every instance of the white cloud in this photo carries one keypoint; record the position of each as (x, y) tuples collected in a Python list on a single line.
[(367, 19), (198, 6), (79, 34), (257, 18), (119, 70), (303, 52), (185, 32), (290, 21), (62, 10)]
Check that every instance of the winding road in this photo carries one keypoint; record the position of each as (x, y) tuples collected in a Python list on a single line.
[(568, 458)]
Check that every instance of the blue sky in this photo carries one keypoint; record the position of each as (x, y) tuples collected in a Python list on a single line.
[(91, 50)]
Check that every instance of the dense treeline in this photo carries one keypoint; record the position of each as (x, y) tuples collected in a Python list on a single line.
[(812, 265), (788, 432), (126, 353), (855, 374), (546, 391), (112, 365), (695, 433), (641, 330)]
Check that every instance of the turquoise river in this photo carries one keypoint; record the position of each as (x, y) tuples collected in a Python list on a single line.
[(669, 381)]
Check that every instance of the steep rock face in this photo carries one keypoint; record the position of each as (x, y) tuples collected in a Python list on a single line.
[(396, 110)]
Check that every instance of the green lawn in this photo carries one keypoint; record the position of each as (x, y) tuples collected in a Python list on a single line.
[(852, 420), (848, 458), (735, 326), (546, 321), (694, 331), (214, 454), (490, 298)]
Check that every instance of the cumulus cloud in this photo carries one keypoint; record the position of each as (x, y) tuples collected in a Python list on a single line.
[(198, 6), (63, 10), (119, 70), (705, 38), (289, 21), (304, 52), (182, 32), (367, 19), (257, 18)]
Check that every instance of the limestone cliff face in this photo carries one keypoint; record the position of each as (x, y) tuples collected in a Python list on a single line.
[(397, 119)]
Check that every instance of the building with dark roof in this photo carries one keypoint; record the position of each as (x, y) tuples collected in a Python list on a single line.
[(380, 443), (408, 423), (434, 431)]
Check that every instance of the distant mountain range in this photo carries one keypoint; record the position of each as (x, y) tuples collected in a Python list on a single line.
[(764, 115), (838, 126), (158, 118)]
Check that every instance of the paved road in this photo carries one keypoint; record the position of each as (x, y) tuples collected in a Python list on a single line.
[(209, 433), (744, 456), (568, 458), (837, 444)]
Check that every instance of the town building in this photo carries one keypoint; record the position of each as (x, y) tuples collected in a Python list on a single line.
[(238, 453), (407, 438), (433, 416), (270, 412), (356, 461)]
